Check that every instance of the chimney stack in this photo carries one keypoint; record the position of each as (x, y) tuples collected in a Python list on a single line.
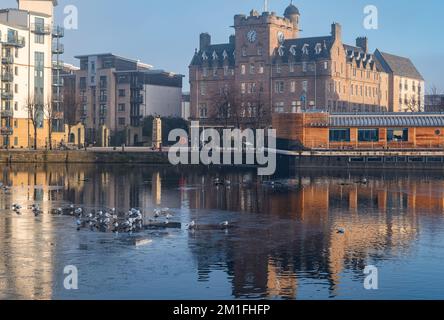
[(362, 42), (233, 39), (205, 41), (336, 31)]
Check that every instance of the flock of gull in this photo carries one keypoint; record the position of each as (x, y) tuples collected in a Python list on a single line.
[(110, 220)]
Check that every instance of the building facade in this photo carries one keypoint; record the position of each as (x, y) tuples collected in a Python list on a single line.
[(268, 68), (368, 131), (30, 50), (434, 103), (113, 95)]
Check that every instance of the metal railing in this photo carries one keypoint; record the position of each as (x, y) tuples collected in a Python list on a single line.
[(15, 41), (39, 28), (57, 65), (57, 82), (137, 99), (6, 131), (58, 32), (58, 48), (7, 95), (8, 60), (7, 76), (7, 114)]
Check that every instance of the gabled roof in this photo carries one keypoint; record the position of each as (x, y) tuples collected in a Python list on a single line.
[(397, 65), (215, 55)]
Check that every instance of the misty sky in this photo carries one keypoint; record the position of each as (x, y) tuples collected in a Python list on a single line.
[(165, 33)]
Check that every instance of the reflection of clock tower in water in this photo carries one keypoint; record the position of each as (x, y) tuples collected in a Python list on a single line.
[(257, 38)]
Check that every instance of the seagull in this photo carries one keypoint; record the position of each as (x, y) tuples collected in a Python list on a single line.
[(225, 224), (192, 225)]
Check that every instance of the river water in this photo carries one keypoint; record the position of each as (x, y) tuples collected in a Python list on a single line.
[(310, 236)]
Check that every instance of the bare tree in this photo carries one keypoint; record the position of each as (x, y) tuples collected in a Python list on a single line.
[(414, 105), (51, 113), (225, 105), (34, 108), (71, 107), (261, 113)]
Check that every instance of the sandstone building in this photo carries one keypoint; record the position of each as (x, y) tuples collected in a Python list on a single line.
[(266, 68)]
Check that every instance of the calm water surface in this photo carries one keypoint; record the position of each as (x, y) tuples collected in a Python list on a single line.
[(283, 244)]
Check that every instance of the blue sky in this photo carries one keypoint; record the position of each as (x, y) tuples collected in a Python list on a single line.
[(165, 33)]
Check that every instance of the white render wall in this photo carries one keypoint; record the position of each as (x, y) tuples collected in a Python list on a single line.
[(25, 64), (162, 101)]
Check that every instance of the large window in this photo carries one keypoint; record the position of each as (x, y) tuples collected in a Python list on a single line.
[(339, 135), (397, 135), (368, 135)]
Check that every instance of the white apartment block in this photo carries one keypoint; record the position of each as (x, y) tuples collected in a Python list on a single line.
[(30, 70)]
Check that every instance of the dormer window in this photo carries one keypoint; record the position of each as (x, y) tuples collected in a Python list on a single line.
[(281, 51), (293, 50), (305, 49), (318, 48), (225, 54), (215, 56), (204, 56)]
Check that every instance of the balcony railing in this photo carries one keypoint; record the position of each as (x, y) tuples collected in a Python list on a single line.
[(57, 65), (58, 32), (58, 48), (7, 95), (137, 99), (57, 82), (15, 42), (39, 28), (6, 131), (7, 76), (103, 84), (103, 98), (8, 60), (7, 114)]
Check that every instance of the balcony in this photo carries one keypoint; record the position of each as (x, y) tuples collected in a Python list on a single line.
[(138, 86), (18, 42), (103, 99), (103, 84), (7, 95), (6, 131), (58, 48), (102, 113), (57, 65), (39, 28), (7, 114), (57, 82), (58, 32), (137, 99), (7, 76), (8, 60)]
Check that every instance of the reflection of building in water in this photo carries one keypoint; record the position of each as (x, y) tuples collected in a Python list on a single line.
[(157, 189), (296, 230)]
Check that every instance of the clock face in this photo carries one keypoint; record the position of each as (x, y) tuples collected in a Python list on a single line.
[(252, 36), (281, 37)]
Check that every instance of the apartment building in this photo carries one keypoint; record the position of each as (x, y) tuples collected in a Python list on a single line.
[(406, 84), (266, 68), (116, 93), (30, 49)]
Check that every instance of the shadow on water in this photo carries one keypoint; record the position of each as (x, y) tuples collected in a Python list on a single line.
[(283, 244)]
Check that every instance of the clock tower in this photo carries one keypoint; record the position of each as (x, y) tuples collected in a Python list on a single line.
[(258, 35)]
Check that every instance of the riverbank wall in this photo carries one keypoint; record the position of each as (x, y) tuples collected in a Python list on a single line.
[(82, 156)]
